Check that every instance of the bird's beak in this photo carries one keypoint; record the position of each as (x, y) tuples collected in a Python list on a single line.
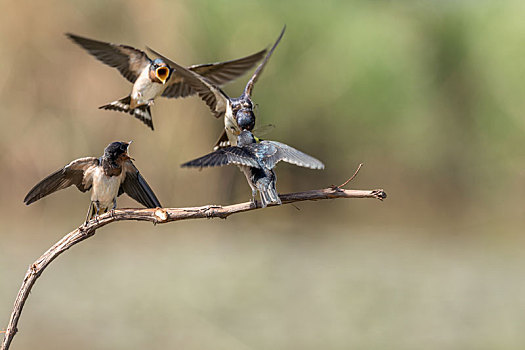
[(256, 139), (126, 155), (162, 73)]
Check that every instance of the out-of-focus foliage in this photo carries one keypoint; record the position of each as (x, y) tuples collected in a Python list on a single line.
[(428, 94)]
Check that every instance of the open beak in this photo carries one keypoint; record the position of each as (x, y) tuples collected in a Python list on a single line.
[(162, 73)]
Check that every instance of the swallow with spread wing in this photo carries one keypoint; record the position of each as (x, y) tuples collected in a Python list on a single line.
[(154, 78), (238, 112), (107, 177), (257, 160)]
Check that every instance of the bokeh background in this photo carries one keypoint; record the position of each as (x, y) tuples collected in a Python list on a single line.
[(429, 95)]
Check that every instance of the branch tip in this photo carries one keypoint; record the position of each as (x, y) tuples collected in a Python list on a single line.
[(379, 194)]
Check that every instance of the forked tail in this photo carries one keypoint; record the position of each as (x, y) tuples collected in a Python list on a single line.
[(267, 191), (142, 112)]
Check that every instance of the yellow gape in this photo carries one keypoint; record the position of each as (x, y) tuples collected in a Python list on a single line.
[(162, 73)]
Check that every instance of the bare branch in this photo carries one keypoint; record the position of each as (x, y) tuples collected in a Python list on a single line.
[(158, 216)]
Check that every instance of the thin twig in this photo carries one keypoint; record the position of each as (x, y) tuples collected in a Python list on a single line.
[(351, 178), (157, 216)]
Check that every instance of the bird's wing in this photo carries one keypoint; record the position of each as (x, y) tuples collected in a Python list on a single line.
[(224, 156), (223, 72), (218, 73), (258, 71), (71, 174), (190, 82), (135, 186), (273, 152), (129, 61)]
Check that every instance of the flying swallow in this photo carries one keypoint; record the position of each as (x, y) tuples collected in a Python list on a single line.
[(107, 177), (154, 78), (256, 159), (238, 112)]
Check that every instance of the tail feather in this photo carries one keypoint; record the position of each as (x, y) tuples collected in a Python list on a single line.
[(142, 112), (222, 142), (268, 193)]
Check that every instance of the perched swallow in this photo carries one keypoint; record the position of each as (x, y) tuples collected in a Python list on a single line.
[(154, 78), (238, 112), (257, 160), (107, 177)]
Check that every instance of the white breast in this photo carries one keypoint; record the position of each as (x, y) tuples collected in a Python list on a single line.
[(144, 90), (230, 125), (105, 188)]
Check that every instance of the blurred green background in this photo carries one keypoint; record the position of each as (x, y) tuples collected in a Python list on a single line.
[(429, 95)]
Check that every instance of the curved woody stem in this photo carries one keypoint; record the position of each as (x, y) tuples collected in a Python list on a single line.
[(159, 216)]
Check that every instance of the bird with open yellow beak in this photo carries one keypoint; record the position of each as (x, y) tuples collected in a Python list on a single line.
[(237, 111), (154, 78)]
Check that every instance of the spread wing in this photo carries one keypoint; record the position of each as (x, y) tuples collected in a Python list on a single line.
[(223, 72), (218, 73), (129, 61), (224, 156), (273, 152), (71, 174), (214, 97), (258, 71), (135, 186)]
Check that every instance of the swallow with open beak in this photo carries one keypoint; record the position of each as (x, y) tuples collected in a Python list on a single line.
[(107, 177), (154, 78), (238, 112), (256, 159)]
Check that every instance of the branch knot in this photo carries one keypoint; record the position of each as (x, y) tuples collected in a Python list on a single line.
[(161, 215)]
